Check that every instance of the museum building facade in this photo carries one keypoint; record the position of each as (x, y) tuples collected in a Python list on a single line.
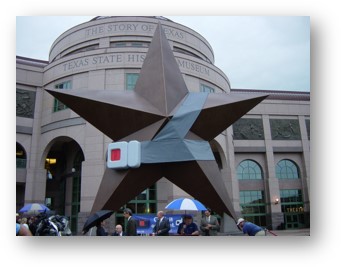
[(264, 157)]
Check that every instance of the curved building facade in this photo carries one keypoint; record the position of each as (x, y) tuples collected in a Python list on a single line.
[(61, 158)]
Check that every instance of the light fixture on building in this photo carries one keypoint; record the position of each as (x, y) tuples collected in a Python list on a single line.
[(51, 161), (276, 201)]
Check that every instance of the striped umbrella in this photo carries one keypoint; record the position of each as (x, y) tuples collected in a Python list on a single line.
[(185, 204), (33, 208)]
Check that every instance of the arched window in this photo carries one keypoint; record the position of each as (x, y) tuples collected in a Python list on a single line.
[(249, 170), (21, 157), (287, 169)]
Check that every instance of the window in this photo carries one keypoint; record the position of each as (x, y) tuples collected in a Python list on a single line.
[(252, 205), (249, 170), (57, 104), (183, 51), (144, 203), (76, 190), (20, 157), (130, 44), (120, 44), (287, 169), (292, 207), (291, 196), (83, 49), (131, 79), (206, 89)]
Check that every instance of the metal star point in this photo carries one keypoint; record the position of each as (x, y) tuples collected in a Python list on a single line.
[(159, 107)]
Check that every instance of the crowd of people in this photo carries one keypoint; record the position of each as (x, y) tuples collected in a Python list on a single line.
[(25, 226), (209, 226), (42, 224)]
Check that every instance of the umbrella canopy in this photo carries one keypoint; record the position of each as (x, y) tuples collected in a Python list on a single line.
[(93, 219), (34, 208), (185, 204)]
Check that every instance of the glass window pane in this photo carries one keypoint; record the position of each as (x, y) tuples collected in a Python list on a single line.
[(287, 169), (253, 206), (57, 106), (131, 79), (206, 88), (250, 170)]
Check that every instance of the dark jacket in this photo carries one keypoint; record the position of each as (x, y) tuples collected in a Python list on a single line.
[(131, 227), (100, 231), (164, 227), (116, 234)]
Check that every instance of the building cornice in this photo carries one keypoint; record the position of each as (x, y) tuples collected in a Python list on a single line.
[(278, 95), (31, 62)]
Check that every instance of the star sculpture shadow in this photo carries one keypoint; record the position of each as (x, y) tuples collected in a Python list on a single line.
[(173, 125)]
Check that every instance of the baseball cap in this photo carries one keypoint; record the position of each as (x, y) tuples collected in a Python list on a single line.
[(240, 220)]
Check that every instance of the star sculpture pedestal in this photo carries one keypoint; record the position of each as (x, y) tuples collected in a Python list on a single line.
[(173, 126)]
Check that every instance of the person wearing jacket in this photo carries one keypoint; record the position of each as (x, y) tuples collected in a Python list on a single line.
[(209, 224), (100, 231), (162, 226), (131, 229)]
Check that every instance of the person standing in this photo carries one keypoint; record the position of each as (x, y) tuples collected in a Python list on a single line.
[(209, 224), (32, 225), (162, 226), (100, 231), (131, 224), (118, 231), (249, 228)]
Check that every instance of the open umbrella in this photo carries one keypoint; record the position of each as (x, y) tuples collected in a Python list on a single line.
[(185, 204), (34, 208), (93, 219)]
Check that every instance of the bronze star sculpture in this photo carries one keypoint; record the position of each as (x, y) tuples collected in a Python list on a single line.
[(173, 126)]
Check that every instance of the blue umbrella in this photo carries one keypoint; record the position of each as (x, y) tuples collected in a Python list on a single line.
[(185, 204), (34, 208)]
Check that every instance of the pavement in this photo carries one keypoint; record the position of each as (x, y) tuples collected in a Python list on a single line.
[(292, 232)]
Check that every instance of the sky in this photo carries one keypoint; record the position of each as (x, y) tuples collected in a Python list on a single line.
[(255, 52)]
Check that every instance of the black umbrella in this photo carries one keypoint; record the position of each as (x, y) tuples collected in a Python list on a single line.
[(98, 216)]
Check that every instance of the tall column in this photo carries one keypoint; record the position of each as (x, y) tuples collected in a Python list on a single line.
[(93, 167), (35, 189), (229, 225), (305, 172), (271, 181)]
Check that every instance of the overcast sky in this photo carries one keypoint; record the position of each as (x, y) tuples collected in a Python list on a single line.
[(255, 52)]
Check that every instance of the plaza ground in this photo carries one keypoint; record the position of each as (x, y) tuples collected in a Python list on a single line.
[(292, 232)]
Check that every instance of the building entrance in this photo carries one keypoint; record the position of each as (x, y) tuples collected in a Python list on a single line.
[(63, 178), (294, 221)]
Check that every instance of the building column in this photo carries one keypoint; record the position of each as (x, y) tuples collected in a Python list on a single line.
[(35, 188), (93, 167), (305, 172), (228, 224), (271, 182)]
